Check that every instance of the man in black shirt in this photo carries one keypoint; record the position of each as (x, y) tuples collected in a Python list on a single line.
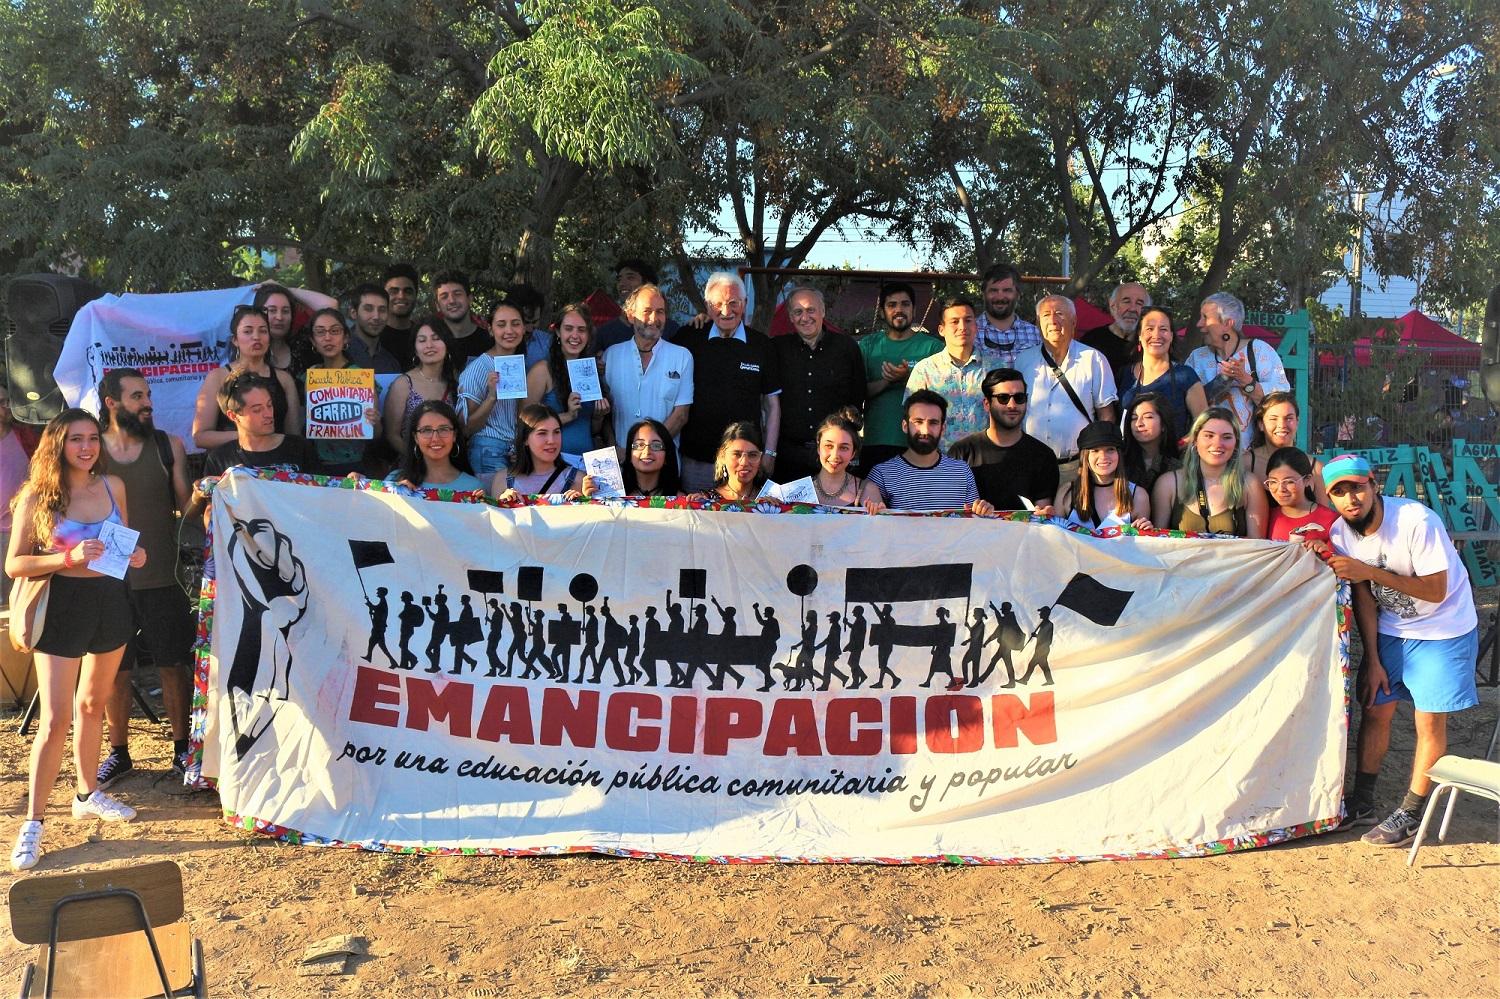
[(821, 373), (1118, 341), (246, 398), (1008, 463), (734, 378), (401, 282)]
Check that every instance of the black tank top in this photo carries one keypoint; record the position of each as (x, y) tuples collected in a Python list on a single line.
[(278, 404)]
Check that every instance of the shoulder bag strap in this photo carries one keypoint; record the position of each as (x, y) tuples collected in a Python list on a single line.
[(1062, 379)]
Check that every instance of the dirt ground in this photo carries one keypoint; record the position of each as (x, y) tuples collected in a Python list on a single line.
[(1321, 916)]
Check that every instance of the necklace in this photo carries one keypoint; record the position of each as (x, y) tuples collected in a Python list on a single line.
[(837, 493)]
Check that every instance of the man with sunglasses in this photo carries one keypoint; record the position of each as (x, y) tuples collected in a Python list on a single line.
[(1010, 466)]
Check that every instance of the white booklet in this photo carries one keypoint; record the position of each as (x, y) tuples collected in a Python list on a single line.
[(512, 371), (603, 466), (797, 491), (119, 545), (583, 372)]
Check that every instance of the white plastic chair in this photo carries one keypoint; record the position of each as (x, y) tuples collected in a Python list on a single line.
[(1454, 774)]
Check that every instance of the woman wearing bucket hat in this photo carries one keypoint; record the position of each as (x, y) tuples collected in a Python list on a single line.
[(1100, 495)]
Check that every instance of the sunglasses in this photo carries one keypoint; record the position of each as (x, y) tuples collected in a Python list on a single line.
[(1005, 398)]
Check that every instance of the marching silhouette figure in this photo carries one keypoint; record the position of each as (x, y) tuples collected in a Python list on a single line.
[(833, 648), (973, 650), (855, 646), (463, 633), (942, 652), (676, 628), (726, 668), (614, 644), (562, 648), (437, 612), (633, 649), (697, 633), (590, 651), (884, 635), (770, 637), (803, 671), (411, 618), (380, 614), (517, 618), (1043, 637), (496, 623), (537, 653), (652, 647), (1008, 637)]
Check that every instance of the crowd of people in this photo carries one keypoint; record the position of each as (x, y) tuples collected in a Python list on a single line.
[(1104, 428)]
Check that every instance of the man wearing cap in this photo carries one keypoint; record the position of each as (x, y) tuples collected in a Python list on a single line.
[(1417, 624)]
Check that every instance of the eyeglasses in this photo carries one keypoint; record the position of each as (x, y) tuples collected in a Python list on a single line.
[(744, 456), (1005, 398), (655, 447), (1274, 484), (427, 433)]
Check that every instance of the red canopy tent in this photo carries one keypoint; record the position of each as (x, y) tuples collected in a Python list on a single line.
[(1441, 347)]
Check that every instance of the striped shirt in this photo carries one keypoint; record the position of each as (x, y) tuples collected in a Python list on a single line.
[(948, 485)]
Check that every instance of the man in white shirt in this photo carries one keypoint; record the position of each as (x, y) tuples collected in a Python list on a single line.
[(1417, 624), (648, 377), (1071, 385), (1236, 372)]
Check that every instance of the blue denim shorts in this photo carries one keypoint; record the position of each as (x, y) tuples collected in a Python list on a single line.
[(1435, 674)]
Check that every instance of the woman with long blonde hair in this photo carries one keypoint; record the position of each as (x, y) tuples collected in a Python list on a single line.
[(1210, 493), (59, 515)]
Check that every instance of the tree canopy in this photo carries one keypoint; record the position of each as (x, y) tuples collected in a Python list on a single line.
[(164, 144)]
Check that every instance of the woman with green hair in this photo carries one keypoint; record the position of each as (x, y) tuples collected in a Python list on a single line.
[(1210, 493)]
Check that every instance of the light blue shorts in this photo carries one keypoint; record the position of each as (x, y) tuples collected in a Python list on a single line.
[(487, 455), (1435, 674)]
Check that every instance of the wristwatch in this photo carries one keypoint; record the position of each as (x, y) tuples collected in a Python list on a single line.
[(769, 453)]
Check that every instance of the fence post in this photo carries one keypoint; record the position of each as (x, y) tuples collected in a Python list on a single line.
[(1296, 358)]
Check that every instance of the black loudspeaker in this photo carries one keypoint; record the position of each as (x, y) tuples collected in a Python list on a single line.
[(39, 309), (1489, 354)]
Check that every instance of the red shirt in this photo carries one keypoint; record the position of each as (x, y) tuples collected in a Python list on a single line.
[(1315, 526)]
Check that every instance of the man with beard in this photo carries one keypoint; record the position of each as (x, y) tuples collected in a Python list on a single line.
[(1001, 331), (450, 290), (400, 282), (1011, 467), (1419, 630), (1116, 340), (647, 377), (889, 355), (921, 477), (630, 274), (153, 466)]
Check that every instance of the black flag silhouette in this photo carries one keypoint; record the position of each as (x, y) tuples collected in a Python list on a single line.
[(370, 553), (1099, 603)]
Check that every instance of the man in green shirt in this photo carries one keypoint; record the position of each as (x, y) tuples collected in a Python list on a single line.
[(889, 355)]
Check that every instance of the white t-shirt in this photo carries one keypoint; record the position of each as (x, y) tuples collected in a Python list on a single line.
[(1412, 541)]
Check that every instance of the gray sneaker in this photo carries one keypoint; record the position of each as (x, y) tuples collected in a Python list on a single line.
[(1398, 829)]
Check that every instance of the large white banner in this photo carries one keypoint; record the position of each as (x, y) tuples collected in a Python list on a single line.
[(175, 340), (723, 684)]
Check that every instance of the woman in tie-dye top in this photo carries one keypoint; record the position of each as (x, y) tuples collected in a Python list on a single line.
[(58, 517)]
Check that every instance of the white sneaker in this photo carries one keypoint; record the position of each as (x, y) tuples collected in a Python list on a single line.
[(28, 846), (102, 806)]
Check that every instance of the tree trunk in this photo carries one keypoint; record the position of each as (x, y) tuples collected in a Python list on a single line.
[(536, 248)]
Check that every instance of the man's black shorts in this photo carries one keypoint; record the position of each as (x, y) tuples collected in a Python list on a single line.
[(167, 627)]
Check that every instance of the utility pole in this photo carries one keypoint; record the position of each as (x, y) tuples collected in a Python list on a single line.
[(1357, 280)]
